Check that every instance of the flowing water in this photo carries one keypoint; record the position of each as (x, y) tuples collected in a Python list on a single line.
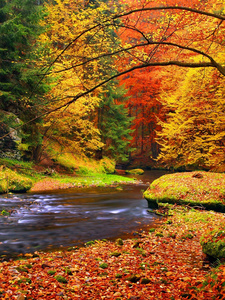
[(41, 221)]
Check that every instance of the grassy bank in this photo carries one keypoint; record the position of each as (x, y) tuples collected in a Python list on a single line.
[(17, 176), (63, 182), (165, 263)]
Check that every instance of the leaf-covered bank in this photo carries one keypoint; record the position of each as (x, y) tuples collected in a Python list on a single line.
[(205, 189), (165, 263)]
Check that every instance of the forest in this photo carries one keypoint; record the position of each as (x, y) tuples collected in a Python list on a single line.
[(93, 92), (137, 83)]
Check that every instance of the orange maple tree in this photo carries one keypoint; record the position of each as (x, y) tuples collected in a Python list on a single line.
[(143, 91)]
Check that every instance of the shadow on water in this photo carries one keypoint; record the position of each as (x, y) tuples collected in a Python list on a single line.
[(41, 221)]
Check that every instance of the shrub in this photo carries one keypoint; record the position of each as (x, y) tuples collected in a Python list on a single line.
[(108, 165)]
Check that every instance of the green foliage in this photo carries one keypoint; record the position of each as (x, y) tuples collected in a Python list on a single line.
[(89, 243), (159, 234), (115, 253), (187, 236), (5, 213), (19, 92), (22, 269), (83, 171), (51, 272), (103, 265), (114, 124), (119, 242), (145, 281), (24, 280), (68, 271), (133, 278), (80, 164), (14, 163), (108, 165)]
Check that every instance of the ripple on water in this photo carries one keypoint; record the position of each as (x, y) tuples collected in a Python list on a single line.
[(40, 221)]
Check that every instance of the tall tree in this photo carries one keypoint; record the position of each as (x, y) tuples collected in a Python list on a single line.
[(114, 123), (74, 124), (194, 133), (19, 92), (145, 108)]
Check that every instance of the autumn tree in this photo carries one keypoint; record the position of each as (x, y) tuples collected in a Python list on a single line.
[(194, 133), (143, 105), (173, 34), (177, 42), (77, 126), (73, 125)]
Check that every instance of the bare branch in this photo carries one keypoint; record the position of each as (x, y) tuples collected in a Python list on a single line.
[(200, 12), (145, 65)]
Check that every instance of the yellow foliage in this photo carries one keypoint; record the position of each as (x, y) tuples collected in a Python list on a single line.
[(74, 124), (194, 133)]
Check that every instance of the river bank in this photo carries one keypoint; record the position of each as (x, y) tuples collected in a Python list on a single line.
[(19, 176), (65, 182), (17, 181), (165, 263)]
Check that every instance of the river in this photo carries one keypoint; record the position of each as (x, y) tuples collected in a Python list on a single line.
[(63, 218)]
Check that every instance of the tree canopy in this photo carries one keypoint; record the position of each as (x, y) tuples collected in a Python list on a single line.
[(86, 45)]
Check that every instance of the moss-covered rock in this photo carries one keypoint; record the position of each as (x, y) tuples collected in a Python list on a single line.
[(213, 242), (135, 171), (13, 182), (201, 189), (119, 242), (61, 279)]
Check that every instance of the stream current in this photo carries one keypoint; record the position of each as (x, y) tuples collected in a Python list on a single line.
[(63, 218)]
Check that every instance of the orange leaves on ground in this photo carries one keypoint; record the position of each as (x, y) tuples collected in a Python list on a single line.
[(165, 264)]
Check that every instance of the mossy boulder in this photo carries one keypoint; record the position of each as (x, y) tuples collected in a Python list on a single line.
[(135, 171), (200, 189), (13, 182), (213, 242)]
